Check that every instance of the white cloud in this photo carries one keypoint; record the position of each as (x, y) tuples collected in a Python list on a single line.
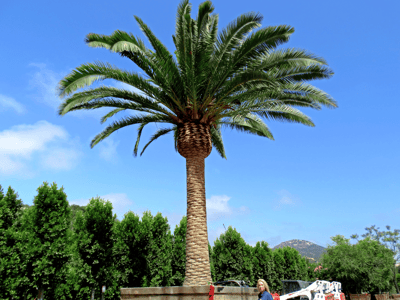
[(218, 207), (108, 149), (50, 144), (11, 103), (60, 159), (45, 82), (286, 200), (120, 201), (24, 139), (11, 166)]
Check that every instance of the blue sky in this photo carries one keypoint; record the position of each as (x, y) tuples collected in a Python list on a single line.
[(310, 183)]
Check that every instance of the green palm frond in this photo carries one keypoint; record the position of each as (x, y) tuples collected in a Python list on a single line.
[(166, 61), (149, 119), (111, 114), (216, 139), (298, 94), (176, 134), (129, 46), (248, 80), (234, 78), (205, 9), (317, 96), (283, 112), (287, 58), (250, 49), (126, 45), (260, 42), (155, 136), (92, 99), (302, 73), (229, 39), (87, 74), (140, 129), (250, 124), (126, 122), (184, 9), (123, 105)]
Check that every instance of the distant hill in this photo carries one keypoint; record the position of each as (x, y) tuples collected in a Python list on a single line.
[(311, 251)]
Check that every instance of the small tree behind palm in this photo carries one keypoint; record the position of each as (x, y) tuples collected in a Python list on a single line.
[(228, 79)]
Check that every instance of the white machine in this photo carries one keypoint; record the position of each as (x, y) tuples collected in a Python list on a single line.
[(319, 290)]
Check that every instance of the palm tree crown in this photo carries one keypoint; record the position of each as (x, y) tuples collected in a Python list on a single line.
[(229, 79)]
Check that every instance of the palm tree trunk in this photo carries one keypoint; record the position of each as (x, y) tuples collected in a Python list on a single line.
[(197, 257)]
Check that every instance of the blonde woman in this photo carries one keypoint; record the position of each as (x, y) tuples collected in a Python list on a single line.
[(263, 288)]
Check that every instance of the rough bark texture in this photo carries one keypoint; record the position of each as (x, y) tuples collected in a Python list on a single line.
[(197, 270), (194, 143), (194, 140)]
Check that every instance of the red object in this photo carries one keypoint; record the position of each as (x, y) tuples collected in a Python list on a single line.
[(211, 293), (329, 297), (342, 296), (276, 296)]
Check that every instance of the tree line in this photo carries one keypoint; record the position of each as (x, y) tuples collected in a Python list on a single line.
[(70, 252)]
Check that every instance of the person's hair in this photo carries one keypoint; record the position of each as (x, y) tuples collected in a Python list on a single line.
[(264, 283)]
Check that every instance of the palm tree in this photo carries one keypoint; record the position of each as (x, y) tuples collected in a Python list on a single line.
[(231, 79)]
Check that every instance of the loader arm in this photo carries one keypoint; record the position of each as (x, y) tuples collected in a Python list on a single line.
[(314, 291)]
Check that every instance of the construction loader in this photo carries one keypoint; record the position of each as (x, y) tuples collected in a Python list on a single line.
[(318, 290)]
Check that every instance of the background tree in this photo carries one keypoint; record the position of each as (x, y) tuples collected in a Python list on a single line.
[(378, 261), (212, 263), (16, 253), (391, 240), (50, 223), (279, 261), (363, 267), (94, 241), (311, 274), (264, 265), (295, 266), (179, 253), (341, 261), (289, 265), (157, 238), (129, 253), (231, 79), (10, 210), (19, 279), (74, 210), (232, 257)]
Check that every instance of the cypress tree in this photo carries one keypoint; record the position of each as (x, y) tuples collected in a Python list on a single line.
[(10, 211), (279, 261), (155, 232), (264, 266), (94, 238), (10, 208), (179, 253), (129, 255), (232, 257), (50, 222)]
